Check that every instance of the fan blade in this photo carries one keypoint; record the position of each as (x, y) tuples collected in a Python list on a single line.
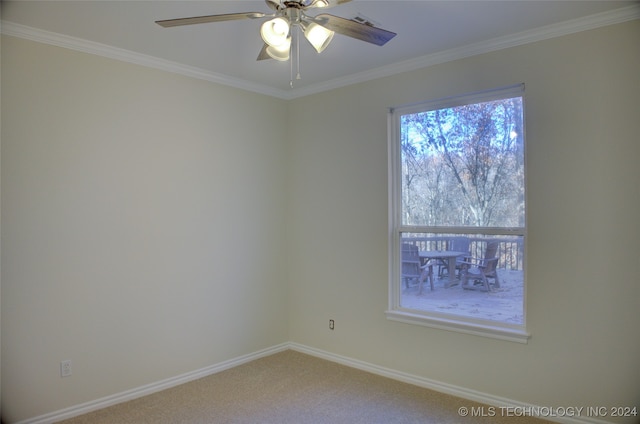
[(324, 4), (273, 4), (263, 55), (354, 29), (210, 18)]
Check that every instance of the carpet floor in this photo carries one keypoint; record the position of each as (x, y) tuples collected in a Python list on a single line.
[(292, 387)]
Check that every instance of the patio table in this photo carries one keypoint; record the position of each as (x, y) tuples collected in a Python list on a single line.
[(445, 256)]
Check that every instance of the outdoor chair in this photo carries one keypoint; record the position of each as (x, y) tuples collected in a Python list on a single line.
[(412, 267), (456, 244), (476, 272)]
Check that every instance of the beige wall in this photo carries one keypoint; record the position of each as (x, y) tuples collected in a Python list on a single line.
[(142, 226), (128, 195), (583, 290)]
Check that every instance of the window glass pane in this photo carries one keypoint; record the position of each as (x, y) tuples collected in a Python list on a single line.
[(465, 283), (458, 214), (464, 166)]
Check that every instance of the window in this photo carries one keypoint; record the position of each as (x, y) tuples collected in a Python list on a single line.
[(457, 214)]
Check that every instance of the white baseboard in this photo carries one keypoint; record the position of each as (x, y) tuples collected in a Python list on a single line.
[(510, 405), (473, 395), (148, 389)]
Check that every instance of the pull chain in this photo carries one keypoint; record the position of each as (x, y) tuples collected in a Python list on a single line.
[(290, 69), (298, 52)]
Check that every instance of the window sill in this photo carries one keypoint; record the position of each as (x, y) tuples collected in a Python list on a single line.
[(451, 323)]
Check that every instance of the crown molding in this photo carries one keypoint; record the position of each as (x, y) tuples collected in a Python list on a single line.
[(91, 47), (616, 16), (543, 33)]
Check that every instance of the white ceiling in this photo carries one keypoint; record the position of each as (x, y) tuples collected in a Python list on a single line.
[(428, 32)]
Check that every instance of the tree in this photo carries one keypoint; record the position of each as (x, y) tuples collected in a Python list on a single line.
[(468, 159)]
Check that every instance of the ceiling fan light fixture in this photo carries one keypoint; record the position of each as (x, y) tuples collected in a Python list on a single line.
[(318, 36), (280, 52), (275, 32)]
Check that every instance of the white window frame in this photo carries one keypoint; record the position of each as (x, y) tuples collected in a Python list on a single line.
[(395, 312)]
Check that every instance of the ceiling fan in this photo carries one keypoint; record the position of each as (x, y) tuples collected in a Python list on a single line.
[(289, 14)]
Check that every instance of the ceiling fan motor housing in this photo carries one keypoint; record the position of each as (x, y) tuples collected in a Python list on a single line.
[(293, 4)]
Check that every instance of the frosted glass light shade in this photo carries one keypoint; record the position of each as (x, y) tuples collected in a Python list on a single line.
[(318, 36), (280, 52), (275, 32)]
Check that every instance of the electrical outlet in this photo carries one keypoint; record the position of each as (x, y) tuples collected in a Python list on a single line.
[(332, 324), (65, 368)]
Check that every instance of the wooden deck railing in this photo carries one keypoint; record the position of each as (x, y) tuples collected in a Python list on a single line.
[(510, 250)]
